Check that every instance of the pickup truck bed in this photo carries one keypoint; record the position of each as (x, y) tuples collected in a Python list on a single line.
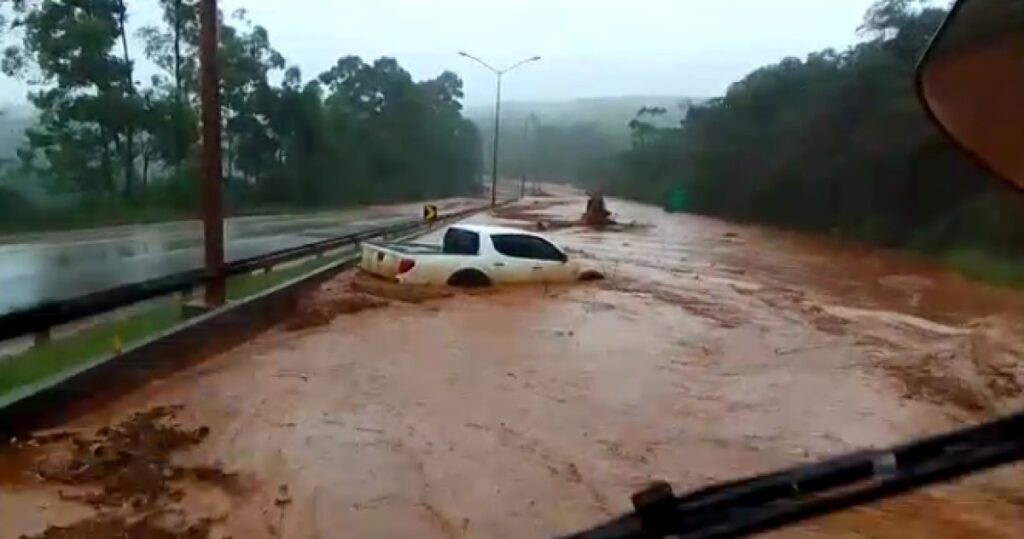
[(408, 248)]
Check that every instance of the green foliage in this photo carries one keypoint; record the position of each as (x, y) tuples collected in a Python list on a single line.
[(64, 355), (984, 266), (249, 285), (15, 205), (13, 123), (360, 132), (836, 142)]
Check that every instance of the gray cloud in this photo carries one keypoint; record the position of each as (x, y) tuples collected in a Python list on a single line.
[(590, 47)]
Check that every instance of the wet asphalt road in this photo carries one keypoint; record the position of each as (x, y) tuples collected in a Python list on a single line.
[(40, 267)]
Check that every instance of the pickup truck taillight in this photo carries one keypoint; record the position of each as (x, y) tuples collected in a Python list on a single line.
[(405, 264)]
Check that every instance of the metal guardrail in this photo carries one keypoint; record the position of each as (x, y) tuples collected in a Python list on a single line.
[(40, 319), (62, 396)]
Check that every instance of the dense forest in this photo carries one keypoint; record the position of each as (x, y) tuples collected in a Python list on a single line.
[(836, 142), (119, 146)]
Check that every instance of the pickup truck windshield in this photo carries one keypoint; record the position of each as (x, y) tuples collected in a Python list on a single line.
[(461, 242)]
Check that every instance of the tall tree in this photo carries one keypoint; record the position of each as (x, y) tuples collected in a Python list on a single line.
[(174, 49), (132, 110), (84, 101), (247, 58)]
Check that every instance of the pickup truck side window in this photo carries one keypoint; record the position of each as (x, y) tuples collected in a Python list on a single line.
[(461, 242), (520, 246)]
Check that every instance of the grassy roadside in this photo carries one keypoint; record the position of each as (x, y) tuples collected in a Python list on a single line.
[(986, 267), (66, 353)]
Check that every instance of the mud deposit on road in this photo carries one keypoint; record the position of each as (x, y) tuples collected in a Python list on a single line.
[(123, 472), (711, 351), (354, 293), (532, 216)]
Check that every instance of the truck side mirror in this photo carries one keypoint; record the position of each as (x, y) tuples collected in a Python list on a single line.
[(971, 81)]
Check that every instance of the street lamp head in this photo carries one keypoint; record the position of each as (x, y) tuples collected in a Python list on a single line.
[(535, 58), (464, 53)]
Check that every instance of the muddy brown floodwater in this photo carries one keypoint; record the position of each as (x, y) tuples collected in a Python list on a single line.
[(710, 351)]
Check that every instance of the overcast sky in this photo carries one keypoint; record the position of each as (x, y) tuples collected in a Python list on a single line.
[(590, 48)]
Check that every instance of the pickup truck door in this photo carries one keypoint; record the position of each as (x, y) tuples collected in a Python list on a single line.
[(523, 258)]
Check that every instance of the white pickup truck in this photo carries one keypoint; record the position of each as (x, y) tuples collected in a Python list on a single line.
[(471, 255)]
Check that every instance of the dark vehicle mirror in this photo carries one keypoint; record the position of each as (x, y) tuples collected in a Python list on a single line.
[(971, 81)]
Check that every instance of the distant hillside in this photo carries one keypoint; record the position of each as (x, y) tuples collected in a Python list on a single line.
[(566, 136), (610, 114)]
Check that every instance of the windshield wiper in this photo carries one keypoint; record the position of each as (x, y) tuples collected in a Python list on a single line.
[(767, 502)]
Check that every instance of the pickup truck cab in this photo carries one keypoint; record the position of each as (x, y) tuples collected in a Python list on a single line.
[(471, 255)]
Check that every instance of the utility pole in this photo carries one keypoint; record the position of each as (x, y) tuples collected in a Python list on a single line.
[(212, 208), (494, 154), (497, 116)]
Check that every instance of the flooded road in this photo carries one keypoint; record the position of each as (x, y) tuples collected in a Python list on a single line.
[(40, 267), (711, 351)]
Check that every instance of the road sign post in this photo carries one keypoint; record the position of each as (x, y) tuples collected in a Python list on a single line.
[(430, 214)]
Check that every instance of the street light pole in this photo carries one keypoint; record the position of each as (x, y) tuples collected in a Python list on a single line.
[(499, 73), (212, 208), (525, 156), (494, 154)]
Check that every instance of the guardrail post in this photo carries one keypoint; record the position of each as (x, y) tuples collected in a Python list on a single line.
[(42, 337), (191, 306)]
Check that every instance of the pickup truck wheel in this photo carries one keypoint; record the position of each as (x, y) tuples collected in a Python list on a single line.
[(469, 279)]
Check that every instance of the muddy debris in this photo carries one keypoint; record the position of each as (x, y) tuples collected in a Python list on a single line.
[(320, 311), (940, 389), (537, 220), (154, 526), (130, 462), (597, 215), (214, 476), (126, 474), (970, 374), (283, 498), (367, 284), (542, 223), (355, 293)]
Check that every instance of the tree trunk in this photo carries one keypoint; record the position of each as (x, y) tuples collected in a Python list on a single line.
[(107, 173), (178, 142), (228, 156), (129, 147), (177, 47), (145, 169)]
